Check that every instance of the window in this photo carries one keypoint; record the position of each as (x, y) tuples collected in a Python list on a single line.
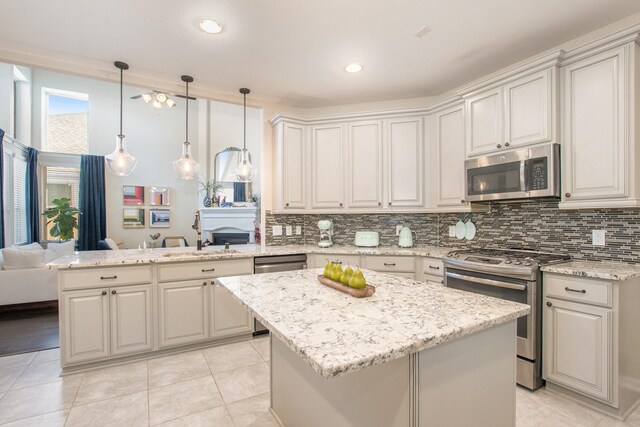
[(65, 121), (14, 180), (58, 183)]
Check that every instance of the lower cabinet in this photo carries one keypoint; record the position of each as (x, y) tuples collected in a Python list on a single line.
[(100, 323), (577, 347), (183, 312), (229, 316)]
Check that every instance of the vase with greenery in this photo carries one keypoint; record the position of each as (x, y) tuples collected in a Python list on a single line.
[(64, 218), (210, 189)]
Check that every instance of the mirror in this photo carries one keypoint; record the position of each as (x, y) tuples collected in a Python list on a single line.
[(234, 192), (159, 196)]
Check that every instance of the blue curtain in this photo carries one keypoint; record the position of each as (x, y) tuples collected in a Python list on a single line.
[(92, 222), (239, 192), (1, 188), (31, 196)]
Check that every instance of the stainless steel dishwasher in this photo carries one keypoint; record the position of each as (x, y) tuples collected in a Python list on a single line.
[(274, 264)]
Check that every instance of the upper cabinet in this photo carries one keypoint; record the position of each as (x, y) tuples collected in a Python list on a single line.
[(327, 165), (364, 164), (599, 110), (404, 162), (445, 136), (520, 112), (293, 166)]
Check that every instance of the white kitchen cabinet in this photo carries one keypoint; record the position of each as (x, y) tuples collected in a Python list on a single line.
[(327, 167), (85, 314), (577, 347), (520, 112), (446, 130), (294, 160), (131, 319), (364, 167), (404, 162), (183, 312), (599, 149), (228, 316)]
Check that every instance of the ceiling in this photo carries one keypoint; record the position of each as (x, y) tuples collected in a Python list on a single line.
[(294, 51)]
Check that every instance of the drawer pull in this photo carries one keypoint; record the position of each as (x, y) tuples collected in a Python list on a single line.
[(108, 277), (434, 268), (205, 270), (104, 292), (113, 292), (390, 264), (580, 291), (204, 283), (337, 262), (213, 283), (549, 304)]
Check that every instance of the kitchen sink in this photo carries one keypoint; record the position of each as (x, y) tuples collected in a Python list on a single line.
[(205, 252)]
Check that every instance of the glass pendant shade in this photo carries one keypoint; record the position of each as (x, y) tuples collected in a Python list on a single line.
[(245, 171), (120, 162), (186, 167)]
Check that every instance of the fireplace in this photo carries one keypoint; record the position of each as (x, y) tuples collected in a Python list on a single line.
[(235, 225)]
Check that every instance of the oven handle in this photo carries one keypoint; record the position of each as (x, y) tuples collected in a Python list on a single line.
[(488, 282), (523, 179)]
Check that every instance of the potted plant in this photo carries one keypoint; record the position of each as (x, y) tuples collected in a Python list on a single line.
[(209, 188), (64, 218)]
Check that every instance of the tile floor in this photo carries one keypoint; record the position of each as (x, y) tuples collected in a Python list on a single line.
[(217, 386)]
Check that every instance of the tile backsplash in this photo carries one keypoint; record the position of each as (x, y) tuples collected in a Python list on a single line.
[(537, 225)]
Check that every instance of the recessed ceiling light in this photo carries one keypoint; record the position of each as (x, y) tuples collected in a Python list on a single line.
[(210, 26), (353, 68)]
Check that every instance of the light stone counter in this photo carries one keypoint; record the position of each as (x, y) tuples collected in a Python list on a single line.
[(337, 334), (607, 270), (161, 255)]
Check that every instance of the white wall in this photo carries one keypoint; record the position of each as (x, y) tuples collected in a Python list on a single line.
[(153, 136), (226, 130), (6, 96)]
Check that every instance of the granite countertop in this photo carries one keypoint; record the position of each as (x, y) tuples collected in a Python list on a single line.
[(608, 270), (337, 334), (161, 255)]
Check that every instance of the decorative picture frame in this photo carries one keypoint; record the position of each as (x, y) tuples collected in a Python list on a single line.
[(133, 195), (159, 218), (133, 217), (159, 196)]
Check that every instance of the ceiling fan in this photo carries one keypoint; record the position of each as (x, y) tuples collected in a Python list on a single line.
[(159, 98)]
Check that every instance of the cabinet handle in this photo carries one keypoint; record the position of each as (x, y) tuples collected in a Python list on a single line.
[(205, 270), (113, 292), (549, 304), (379, 203), (506, 144), (434, 268), (286, 204), (567, 194), (390, 264), (337, 262), (104, 292), (462, 201), (499, 145), (213, 283), (340, 204), (580, 291), (108, 277), (204, 283), (389, 203)]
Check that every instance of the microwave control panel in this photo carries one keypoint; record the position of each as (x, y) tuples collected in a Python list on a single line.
[(537, 174)]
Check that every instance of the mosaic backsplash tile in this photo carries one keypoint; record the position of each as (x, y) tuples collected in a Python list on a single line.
[(537, 225)]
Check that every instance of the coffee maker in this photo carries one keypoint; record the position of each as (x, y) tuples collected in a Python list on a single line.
[(326, 233)]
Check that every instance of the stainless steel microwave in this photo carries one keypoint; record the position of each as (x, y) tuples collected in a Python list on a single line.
[(519, 174)]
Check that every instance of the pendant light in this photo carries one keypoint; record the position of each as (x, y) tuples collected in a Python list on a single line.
[(120, 162), (187, 167), (245, 171)]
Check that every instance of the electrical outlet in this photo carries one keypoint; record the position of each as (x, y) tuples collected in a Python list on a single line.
[(298, 230), (289, 230), (598, 237), (452, 231), (277, 230), (398, 228)]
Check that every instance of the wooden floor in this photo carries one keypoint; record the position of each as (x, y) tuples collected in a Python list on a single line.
[(28, 330)]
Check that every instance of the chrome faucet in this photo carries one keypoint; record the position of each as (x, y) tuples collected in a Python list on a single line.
[(197, 226)]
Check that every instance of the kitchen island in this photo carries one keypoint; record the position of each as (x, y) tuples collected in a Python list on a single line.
[(413, 354)]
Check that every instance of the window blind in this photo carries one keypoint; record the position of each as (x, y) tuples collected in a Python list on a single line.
[(19, 200)]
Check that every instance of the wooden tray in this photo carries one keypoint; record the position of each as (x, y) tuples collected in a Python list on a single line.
[(357, 293)]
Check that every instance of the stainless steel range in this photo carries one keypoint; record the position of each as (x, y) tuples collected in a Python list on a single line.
[(513, 275)]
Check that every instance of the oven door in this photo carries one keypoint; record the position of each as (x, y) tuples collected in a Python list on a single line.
[(516, 290)]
